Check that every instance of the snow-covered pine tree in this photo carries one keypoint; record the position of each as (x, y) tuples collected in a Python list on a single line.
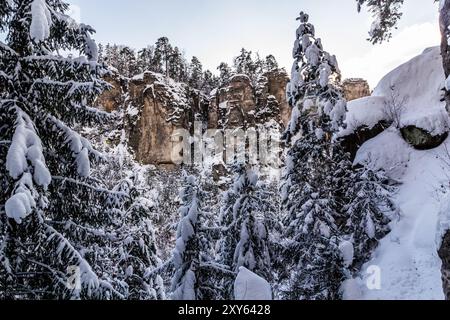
[(189, 248), (178, 66), (210, 82), (225, 73), (128, 66), (270, 63), (145, 58), (163, 51), (244, 242), (195, 73), (245, 64), (51, 209)]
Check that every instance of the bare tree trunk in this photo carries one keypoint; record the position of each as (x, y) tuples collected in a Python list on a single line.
[(444, 21)]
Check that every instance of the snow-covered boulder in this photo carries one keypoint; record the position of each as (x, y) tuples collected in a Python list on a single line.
[(410, 97), (250, 286)]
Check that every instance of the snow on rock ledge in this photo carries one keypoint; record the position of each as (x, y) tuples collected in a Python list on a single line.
[(409, 96), (249, 286), (418, 83)]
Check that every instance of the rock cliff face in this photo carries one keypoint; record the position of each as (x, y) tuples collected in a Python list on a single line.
[(355, 89), (239, 104), (445, 257), (155, 107), (160, 106), (113, 98)]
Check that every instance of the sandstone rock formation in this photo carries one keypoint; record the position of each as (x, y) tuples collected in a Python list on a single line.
[(233, 106), (162, 106), (239, 105), (156, 107), (112, 99), (355, 88)]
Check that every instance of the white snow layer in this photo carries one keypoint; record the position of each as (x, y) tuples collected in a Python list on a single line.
[(41, 21), (413, 91), (388, 157), (249, 286), (406, 264), (25, 163)]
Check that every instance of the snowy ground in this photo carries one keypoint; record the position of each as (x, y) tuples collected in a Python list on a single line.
[(407, 257)]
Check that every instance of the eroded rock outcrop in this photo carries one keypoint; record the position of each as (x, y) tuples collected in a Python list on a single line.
[(421, 139), (233, 106), (113, 98), (162, 107), (355, 88), (444, 254), (239, 104)]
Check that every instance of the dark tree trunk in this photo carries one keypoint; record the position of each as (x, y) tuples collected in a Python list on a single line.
[(444, 21), (444, 254)]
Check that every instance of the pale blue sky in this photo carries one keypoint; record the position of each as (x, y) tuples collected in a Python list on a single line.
[(215, 30)]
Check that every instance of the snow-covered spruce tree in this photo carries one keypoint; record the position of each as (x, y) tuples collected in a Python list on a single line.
[(188, 257), (318, 106), (311, 227), (332, 208), (307, 191), (136, 255), (51, 210), (136, 259), (364, 198), (244, 242)]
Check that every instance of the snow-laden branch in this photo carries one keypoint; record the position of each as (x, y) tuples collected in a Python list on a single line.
[(86, 185), (160, 269), (88, 277)]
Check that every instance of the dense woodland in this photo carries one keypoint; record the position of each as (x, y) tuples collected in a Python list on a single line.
[(169, 60)]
